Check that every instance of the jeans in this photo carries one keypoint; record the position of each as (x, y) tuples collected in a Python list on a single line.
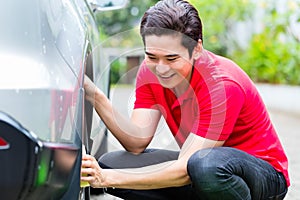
[(215, 173)]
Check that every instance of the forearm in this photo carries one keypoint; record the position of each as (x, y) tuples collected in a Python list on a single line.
[(168, 174), (132, 137)]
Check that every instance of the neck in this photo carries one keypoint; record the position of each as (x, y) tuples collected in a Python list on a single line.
[(183, 86)]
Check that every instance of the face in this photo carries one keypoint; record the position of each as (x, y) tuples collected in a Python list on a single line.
[(169, 61)]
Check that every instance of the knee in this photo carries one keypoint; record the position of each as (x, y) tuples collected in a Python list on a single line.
[(203, 168), (212, 175), (111, 159), (200, 163)]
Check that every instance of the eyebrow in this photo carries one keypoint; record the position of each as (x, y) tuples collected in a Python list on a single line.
[(167, 56)]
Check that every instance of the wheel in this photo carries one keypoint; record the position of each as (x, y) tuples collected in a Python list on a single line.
[(84, 193)]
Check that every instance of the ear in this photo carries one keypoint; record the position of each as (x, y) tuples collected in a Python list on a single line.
[(198, 50)]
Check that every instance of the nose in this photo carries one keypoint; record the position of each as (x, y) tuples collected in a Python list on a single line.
[(162, 69)]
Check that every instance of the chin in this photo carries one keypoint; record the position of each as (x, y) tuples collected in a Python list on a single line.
[(169, 86)]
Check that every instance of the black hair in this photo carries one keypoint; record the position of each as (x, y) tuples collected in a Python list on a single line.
[(173, 17)]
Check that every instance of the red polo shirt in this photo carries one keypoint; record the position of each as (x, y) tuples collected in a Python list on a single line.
[(222, 103)]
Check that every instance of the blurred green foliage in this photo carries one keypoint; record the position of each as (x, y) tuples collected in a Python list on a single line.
[(272, 54), (118, 29), (218, 18), (123, 20), (116, 70), (272, 49)]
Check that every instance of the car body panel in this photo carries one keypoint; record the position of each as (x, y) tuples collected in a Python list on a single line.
[(46, 47)]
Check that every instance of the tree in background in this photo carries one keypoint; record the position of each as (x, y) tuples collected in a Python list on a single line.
[(119, 29), (260, 35), (272, 49), (118, 21), (273, 53), (219, 19)]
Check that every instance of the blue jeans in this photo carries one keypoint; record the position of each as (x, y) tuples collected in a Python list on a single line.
[(216, 173)]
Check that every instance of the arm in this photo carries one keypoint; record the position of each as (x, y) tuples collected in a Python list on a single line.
[(173, 173), (134, 134)]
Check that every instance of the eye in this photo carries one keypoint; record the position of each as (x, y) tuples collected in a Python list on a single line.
[(172, 59), (152, 58)]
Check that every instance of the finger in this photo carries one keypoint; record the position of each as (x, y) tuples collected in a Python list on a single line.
[(87, 164), (86, 171), (87, 80), (85, 157), (86, 178)]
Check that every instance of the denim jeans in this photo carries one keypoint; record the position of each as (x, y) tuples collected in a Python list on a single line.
[(216, 173)]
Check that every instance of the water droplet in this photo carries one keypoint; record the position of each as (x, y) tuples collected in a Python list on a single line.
[(44, 49)]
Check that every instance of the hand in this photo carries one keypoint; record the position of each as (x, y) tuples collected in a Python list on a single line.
[(92, 171)]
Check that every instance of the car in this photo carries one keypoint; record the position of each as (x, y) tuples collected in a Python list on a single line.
[(46, 49)]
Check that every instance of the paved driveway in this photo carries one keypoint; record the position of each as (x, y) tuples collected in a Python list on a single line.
[(288, 129)]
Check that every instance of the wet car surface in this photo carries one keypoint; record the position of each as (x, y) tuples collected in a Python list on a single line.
[(46, 48)]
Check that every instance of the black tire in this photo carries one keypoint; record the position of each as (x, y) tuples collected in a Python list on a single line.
[(84, 193)]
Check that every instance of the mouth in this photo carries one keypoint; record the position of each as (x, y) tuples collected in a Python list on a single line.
[(165, 77)]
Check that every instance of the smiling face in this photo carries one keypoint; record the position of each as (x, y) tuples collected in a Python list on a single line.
[(170, 61)]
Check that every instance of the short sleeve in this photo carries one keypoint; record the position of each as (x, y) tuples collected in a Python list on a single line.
[(144, 88)]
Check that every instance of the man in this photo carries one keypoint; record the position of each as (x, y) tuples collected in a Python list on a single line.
[(229, 147)]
